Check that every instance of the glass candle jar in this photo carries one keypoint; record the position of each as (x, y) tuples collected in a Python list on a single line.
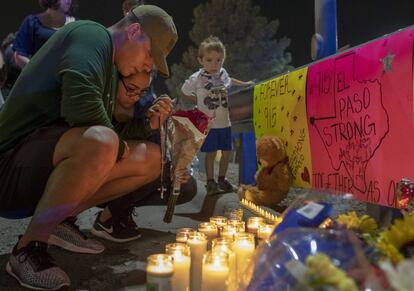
[(197, 242), (234, 213), (209, 229), (228, 231), (253, 224), (220, 221), (181, 260), (183, 234), (160, 270), (240, 225), (243, 246), (225, 245), (216, 271), (265, 231)]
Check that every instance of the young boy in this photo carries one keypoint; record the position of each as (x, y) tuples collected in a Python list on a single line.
[(209, 88)]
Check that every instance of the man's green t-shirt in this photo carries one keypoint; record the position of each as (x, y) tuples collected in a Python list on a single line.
[(71, 78)]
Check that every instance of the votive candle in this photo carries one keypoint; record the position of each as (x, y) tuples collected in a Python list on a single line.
[(220, 221), (243, 246), (197, 242), (228, 231), (210, 230), (160, 270), (253, 224), (240, 225), (181, 260), (215, 271), (265, 231), (225, 245), (183, 233), (234, 213)]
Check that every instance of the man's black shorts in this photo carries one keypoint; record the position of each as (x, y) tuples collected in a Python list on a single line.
[(25, 169)]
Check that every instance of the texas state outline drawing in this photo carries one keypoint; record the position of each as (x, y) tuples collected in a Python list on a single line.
[(355, 122)]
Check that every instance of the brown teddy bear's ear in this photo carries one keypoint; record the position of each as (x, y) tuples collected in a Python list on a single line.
[(276, 142)]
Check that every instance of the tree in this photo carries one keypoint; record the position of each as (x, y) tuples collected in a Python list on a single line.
[(252, 50)]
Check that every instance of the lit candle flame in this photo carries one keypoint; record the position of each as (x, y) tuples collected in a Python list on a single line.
[(259, 210)]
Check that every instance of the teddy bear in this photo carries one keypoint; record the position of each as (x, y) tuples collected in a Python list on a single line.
[(273, 178)]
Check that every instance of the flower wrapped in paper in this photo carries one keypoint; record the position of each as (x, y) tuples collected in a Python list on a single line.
[(186, 132), (363, 224), (321, 273)]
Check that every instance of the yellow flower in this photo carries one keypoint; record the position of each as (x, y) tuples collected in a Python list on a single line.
[(367, 224), (363, 224), (321, 265), (400, 233)]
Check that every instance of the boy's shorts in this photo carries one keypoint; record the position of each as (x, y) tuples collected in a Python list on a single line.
[(218, 139), (25, 170)]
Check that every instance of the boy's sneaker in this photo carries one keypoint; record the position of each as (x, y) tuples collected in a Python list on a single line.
[(117, 229), (33, 268), (212, 187), (68, 236), (225, 185)]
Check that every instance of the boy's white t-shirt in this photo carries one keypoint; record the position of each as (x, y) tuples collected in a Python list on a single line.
[(211, 91)]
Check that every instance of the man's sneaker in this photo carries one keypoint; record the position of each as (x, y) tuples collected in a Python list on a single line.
[(212, 187), (33, 268), (225, 185), (120, 228), (68, 236)]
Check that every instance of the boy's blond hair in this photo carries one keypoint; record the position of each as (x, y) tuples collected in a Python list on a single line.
[(211, 43)]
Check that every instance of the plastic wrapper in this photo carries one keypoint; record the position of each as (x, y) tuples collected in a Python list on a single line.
[(312, 207), (280, 264), (186, 132), (341, 202), (185, 138), (399, 276)]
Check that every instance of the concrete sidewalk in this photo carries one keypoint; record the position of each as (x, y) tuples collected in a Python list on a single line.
[(121, 266)]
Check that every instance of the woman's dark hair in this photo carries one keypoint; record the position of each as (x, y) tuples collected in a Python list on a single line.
[(54, 4)]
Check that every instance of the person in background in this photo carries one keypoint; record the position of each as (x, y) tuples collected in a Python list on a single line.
[(13, 71), (68, 141), (128, 5), (3, 75), (38, 28), (208, 87)]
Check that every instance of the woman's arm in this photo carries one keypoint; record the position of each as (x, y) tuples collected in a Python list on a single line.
[(21, 60), (23, 44)]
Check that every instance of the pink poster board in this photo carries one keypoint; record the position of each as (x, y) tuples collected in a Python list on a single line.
[(360, 118)]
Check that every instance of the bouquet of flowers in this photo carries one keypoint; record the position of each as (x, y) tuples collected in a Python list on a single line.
[(186, 132), (321, 274), (311, 259), (363, 224)]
